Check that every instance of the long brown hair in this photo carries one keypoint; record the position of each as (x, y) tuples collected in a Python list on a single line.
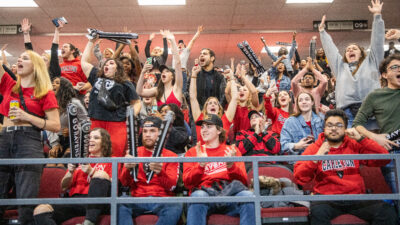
[(363, 56), (298, 112), (161, 88), (119, 76), (220, 111), (106, 147), (277, 105)]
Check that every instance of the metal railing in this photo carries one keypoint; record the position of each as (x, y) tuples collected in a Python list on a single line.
[(114, 200)]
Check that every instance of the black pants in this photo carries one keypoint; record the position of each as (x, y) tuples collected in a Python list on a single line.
[(98, 188), (375, 212), (24, 178)]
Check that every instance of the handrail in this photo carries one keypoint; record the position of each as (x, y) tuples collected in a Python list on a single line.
[(257, 198)]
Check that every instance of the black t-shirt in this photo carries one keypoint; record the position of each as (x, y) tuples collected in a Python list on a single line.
[(121, 93)]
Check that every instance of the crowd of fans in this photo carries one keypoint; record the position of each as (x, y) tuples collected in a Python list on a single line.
[(327, 103)]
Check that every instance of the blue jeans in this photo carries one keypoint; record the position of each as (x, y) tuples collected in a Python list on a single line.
[(168, 213), (371, 123), (197, 212), (389, 172)]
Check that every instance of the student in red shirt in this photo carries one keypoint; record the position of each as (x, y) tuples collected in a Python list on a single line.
[(86, 180), (161, 185), (342, 176), (212, 105), (282, 111), (197, 176), (21, 134)]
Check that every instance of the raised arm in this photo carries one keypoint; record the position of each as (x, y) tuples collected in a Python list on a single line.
[(231, 110), (251, 87), (276, 62), (97, 52), (26, 27), (55, 69), (165, 51), (273, 57), (199, 30), (3, 55), (295, 81), (135, 58), (118, 51), (148, 92), (331, 51), (378, 33), (293, 48), (194, 104), (148, 44), (177, 60), (85, 64), (322, 81), (1, 70)]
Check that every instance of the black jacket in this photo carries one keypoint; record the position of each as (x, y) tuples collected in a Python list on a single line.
[(216, 90)]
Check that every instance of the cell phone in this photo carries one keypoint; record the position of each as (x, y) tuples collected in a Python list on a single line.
[(55, 21), (154, 109), (150, 60)]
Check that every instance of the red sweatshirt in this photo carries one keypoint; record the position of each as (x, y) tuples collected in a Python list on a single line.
[(72, 70), (80, 184), (277, 115), (326, 173), (195, 176), (241, 120), (162, 184)]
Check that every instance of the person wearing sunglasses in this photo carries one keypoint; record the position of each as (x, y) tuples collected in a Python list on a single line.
[(337, 176)]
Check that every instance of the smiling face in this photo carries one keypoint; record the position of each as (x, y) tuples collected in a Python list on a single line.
[(320, 52), (243, 93), (280, 67), (209, 132), (110, 67), (305, 102), (164, 111), (25, 65), (353, 53), (392, 74), (150, 135), (95, 143), (127, 65), (283, 98), (86, 99), (166, 76)]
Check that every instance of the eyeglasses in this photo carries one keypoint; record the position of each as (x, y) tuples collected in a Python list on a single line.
[(395, 68), (331, 126)]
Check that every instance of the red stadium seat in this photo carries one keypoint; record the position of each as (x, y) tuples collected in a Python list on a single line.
[(103, 220), (281, 214), (219, 219), (375, 183)]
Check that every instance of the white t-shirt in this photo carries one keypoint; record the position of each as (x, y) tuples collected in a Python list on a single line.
[(184, 55)]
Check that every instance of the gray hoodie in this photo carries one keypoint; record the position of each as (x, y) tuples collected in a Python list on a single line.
[(353, 89)]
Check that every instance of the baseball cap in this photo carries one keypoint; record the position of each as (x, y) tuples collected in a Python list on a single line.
[(162, 67), (254, 112), (180, 41), (156, 122), (210, 119)]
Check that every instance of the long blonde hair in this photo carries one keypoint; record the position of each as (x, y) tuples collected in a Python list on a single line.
[(41, 76), (220, 108)]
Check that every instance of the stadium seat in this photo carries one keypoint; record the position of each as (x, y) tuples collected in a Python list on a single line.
[(220, 219), (374, 184), (103, 220), (282, 214)]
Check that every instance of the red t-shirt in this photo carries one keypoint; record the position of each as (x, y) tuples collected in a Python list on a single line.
[(277, 115), (80, 180), (241, 120), (161, 185), (309, 124), (34, 105), (72, 70), (196, 176), (225, 122)]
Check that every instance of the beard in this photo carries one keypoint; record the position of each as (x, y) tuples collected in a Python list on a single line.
[(149, 145), (335, 140)]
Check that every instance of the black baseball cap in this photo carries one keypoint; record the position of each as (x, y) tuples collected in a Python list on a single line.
[(210, 119), (254, 112), (180, 41), (156, 122), (162, 67)]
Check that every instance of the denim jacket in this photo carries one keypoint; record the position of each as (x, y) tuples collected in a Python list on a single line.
[(285, 83), (295, 128)]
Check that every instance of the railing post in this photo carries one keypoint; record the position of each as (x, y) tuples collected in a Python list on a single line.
[(114, 192), (256, 185)]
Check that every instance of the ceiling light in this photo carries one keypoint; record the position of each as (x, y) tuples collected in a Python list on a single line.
[(49, 52), (162, 2), (18, 3), (7, 54), (275, 49), (308, 1)]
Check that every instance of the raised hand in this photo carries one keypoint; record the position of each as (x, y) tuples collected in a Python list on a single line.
[(294, 35), (200, 29), (196, 68), (376, 7), (230, 152), (353, 134), (25, 25), (162, 32), (4, 47), (321, 26), (201, 152), (152, 35), (393, 34), (169, 35), (60, 24)]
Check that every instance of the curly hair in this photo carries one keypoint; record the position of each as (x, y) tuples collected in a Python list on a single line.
[(65, 94), (132, 74), (106, 149), (119, 76)]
